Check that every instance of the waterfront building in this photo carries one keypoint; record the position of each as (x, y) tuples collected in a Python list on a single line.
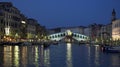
[(50, 31), (113, 15), (31, 28), (23, 27), (106, 33), (115, 26), (34, 30), (87, 31), (41, 31), (54, 30), (75, 29), (95, 32), (116, 29), (10, 20), (15, 26)]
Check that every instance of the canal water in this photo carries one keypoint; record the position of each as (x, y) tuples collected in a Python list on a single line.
[(61, 55)]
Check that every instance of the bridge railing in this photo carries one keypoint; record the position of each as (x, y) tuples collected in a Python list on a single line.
[(59, 36)]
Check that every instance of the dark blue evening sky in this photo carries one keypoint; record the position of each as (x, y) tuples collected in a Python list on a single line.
[(61, 13)]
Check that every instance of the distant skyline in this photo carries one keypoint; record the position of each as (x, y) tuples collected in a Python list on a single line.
[(61, 13)]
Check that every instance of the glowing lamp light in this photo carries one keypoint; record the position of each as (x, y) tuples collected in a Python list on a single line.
[(7, 30), (69, 32), (23, 22)]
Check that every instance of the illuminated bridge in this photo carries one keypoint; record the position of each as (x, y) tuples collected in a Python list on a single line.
[(68, 36)]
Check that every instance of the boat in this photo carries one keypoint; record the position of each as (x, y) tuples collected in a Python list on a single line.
[(25, 44), (55, 42), (111, 49)]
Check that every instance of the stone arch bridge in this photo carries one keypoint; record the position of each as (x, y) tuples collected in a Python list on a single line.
[(68, 36)]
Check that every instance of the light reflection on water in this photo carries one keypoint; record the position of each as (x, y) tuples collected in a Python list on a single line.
[(46, 58), (16, 56), (69, 55), (61, 55), (97, 61)]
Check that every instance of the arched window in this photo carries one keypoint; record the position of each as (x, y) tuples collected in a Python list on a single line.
[(52, 36), (55, 36), (58, 35), (83, 37), (80, 36), (75, 35), (63, 34)]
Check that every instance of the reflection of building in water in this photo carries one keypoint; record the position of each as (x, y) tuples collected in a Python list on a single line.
[(97, 59), (1, 55), (38, 59), (47, 58), (7, 56), (69, 55), (11, 56), (36, 56), (41, 55), (89, 54), (16, 56), (93, 52), (115, 60), (23, 56), (31, 55)]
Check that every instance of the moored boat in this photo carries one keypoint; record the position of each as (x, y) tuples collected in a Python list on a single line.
[(25, 43), (111, 49)]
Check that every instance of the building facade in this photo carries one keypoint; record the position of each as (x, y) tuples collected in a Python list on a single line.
[(115, 26), (116, 29), (87, 31), (106, 33), (31, 28), (10, 20), (76, 29), (95, 32), (15, 26)]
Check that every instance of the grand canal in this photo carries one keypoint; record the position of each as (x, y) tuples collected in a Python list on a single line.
[(61, 55)]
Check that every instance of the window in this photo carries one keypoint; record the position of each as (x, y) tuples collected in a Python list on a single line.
[(58, 35), (83, 37), (52, 36), (80, 36)]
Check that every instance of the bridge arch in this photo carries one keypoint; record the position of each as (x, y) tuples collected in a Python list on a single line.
[(61, 35)]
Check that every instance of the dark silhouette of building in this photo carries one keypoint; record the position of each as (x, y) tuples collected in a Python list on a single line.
[(113, 15)]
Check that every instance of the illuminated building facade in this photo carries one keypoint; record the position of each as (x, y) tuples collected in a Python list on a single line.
[(95, 32), (14, 26), (115, 26), (10, 20), (34, 30), (116, 29), (31, 28), (41, 31), (106, 33)]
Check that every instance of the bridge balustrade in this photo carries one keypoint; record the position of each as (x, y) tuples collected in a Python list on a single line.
[(60, 36)]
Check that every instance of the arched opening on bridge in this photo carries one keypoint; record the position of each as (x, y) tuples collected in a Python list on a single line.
[(68, 36)]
